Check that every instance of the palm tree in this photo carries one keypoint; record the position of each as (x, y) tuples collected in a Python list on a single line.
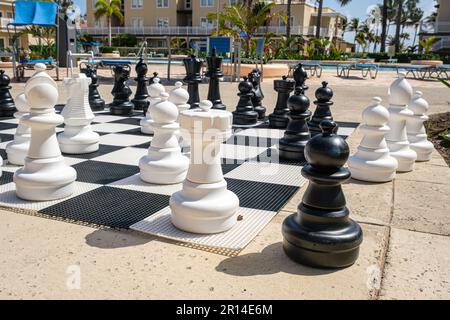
[(344, 25), (415, 18), (354, 26), (108, 9), (398, 24), (375, 19), (288, 18), (319, 13), (384, 22)]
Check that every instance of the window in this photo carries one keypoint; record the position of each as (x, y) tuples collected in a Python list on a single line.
[(137, 22), (137, 4), (162, 3), (282, 24), (187, 4), (162, 22), (9, 14), (233, 2), (205, 22), (2, 43), (206, 3)]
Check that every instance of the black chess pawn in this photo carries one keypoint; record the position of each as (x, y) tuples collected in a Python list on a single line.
[(300, 75), (95, 100), (140, 100), (296, 136), (321, 234), (322, 112), (279, 119), (121, 104), (245, 113), (193, 66), (214, 74), (258, 97), (152, 79), (7, 106)]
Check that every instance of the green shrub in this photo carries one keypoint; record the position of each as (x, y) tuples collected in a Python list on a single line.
[(125, 40), (107, 49)]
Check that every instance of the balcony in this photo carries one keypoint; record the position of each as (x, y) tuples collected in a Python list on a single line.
[(436, 28), (4, 22), (442, 44)]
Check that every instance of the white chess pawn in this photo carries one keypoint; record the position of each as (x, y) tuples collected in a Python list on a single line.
[(154, 91), (400, 94), (205, 205), (417, 136), (18, 148), (372, 161), (164, 163), (45, 175), (180, 96), (78, 137)]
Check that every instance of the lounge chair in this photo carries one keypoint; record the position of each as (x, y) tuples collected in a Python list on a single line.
[(343, 70), (314, 67), (418, 71)]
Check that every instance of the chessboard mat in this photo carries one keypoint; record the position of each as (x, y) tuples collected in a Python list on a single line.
[(109, 192)]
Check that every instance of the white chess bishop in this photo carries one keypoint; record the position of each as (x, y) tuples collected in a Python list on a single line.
[(417, 136), (154, 91), (400, 94), (78, 136), (372, 161), (204, 205), (45, 175), (180, 96), (164, 163), (18, 148)]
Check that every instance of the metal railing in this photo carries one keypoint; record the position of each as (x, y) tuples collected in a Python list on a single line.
[(435, 28), (4, 22), (443, 43)]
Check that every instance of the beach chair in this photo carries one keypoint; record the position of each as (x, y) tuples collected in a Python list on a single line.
[(314, 67), (441, 71), (418, 71), (367, 69)]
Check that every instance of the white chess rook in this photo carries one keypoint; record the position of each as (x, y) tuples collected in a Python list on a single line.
[(18, 148), (179, 96), (204, 205), (417, 136), (400, 94), (154, 92), (45, 175), (164, 163), (372, 161), (78, 136)]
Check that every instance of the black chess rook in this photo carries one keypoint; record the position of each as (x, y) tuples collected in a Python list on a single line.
[(279, 119)]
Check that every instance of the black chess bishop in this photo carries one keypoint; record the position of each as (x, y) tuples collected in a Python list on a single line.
[(245, 114), (214, 73), (258, 95), (121, 104), (7, 106), (322, 112), (140, 100), (193, 66), (279, 119), (95, 100)]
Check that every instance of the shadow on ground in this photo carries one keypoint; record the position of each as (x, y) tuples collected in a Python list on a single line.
[(113, 239), (270, 260)]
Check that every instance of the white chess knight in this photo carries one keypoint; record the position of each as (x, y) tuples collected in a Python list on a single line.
[(400, 94), (204, 205), (415, 129), (45, 175), (154, 91), (372, 161), (164, 163), (78, 137), (179, 96), (18, 148)]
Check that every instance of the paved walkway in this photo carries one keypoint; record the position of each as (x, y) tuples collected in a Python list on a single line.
[(405, 253)]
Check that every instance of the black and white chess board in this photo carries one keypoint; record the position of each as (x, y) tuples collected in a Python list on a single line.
[(109, 192)]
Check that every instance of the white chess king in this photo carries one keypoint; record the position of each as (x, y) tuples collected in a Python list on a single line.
[(18, 148), (204, 205), (415, 129), (372, 161), (400, 94), (78, 136), (45, 175), (154, 91)]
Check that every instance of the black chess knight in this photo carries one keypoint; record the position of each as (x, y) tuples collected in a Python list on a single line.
[(300, 76), (152, 79), (245, 113), (95, 100), (7, 106), (279, 119), (193, 66), (140, 100), (214, 74), (321, 234), (121, 104), (322, 112), (258, 97)]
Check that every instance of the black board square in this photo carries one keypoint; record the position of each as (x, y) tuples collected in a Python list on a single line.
[(272, 156), (3, 154), (6, 177), (103, 149), (261, 195), (108, 206), (103, 172), (347, 124), (7, 126), (6, 137), (145, 145), (133, 121), (136, 132)]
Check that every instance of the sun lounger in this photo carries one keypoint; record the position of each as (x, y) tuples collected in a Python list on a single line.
[(343, 70), (418, 71), (314, 67)]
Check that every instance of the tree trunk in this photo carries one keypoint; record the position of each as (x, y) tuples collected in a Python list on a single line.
[(109, 32), (398, 26), (319, 18), (384, 26), (415, 35), (375, 43), (288, 22)]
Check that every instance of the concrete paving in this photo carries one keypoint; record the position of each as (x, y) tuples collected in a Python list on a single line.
[(405, 253)]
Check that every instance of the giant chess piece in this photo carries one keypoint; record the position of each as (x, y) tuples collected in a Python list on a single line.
[(321, 234), (400, 94), (214, 74), (258, 96), (18, 148), (300, 76), (193, 66), (95, 100), (279, 119), (179, 97), (78, 137), (296, 136), (152, 79), (417, 135), (245, 114), (164, 163), (45, 175), (155, 90), (204, 205), (7, 106), (372, 161), (121, 104), (140, 100), (322, 112)]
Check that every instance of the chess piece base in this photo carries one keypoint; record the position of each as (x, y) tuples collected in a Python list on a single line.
[(261, 112), (122, 109), (278, 121), (45, 179), (245, 119), (423, 149), (219, 106), (78, 141), (7, 110), (166, 166), (403, 154), (204, 208), (292, 151), (147, 126), (97, 105), (140, 104), (372, 170), (17, 152)]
